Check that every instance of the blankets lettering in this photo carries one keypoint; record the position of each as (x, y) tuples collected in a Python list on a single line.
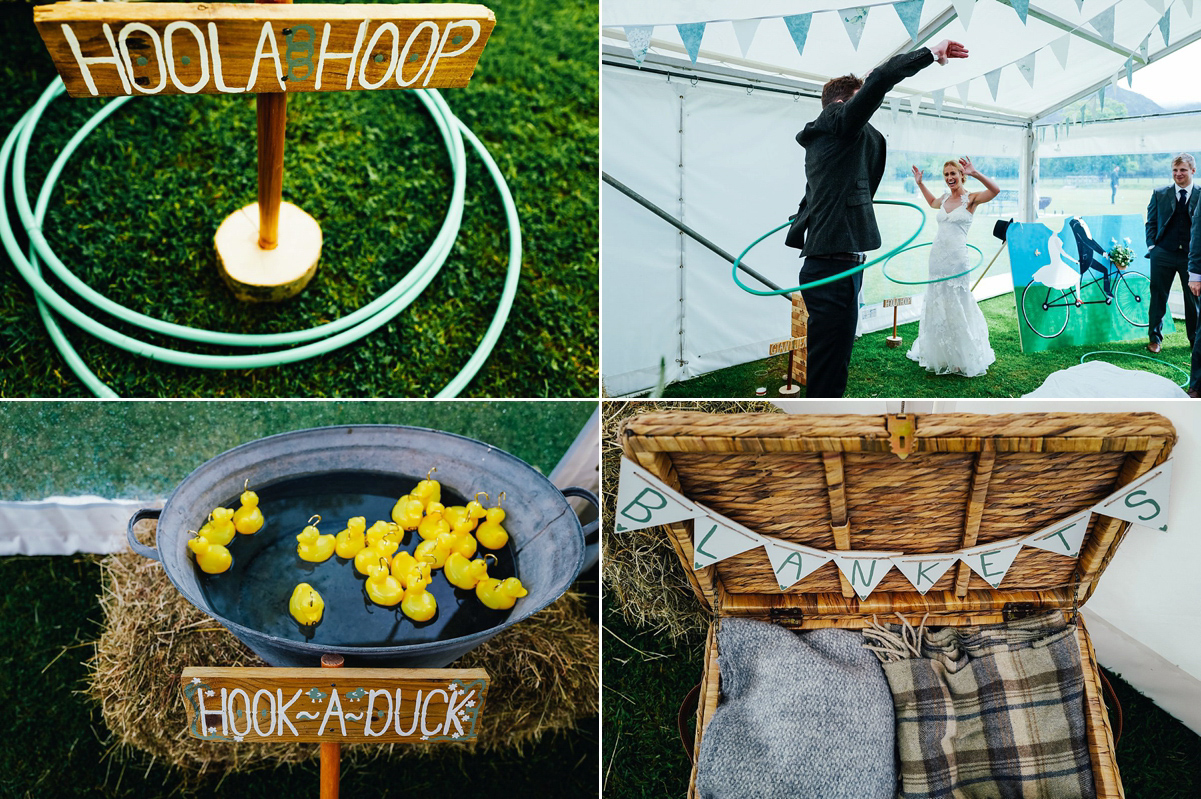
[(991, 711)]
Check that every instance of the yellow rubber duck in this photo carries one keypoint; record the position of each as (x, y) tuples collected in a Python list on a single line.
[(405, 566), (384, 537), (463, 573), (312, 546), (211, 558), (366, 558), (418, 604), (248, 519), (428, 490), (433, 524), (435, 550), (382, 587), (464, 543), (219, 529), (490, 533), (455, 515), (350, 541), (407, 512), (475, 510), (499, 594), (306, 605)]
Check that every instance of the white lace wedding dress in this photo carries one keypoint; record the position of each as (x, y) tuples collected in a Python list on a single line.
[(952, 335)]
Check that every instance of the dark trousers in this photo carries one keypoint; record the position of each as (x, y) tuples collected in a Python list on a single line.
[(833, 316), (1194, 378), (1165, 267)]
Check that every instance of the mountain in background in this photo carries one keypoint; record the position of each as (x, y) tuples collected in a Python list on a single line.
[(1119, 103)]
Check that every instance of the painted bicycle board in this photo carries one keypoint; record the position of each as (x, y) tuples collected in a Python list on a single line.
[(1068, 293)]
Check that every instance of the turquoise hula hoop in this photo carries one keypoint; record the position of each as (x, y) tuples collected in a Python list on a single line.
[(823, 281), (1084, 358), (884, 267)]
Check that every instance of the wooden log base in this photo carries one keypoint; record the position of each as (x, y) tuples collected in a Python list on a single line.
[(893, 342), (257, 275)]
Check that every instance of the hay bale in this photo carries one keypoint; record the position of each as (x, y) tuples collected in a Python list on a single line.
[(642, 574), (544, 676)]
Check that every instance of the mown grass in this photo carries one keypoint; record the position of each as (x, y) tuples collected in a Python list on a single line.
[(138, 204), (877, 371)]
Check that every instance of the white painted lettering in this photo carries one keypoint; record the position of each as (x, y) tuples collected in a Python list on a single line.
[(123, 45), (371, 711), (169, 50), (225, 713), (218, 78), (266, 35), (474, 25), (271, 714), (416, 715), (283, 711), (115, 59), (429, 55), (334, 708), (387, 27), (457, 702), (425, 706), (352, 55), (233, 724)]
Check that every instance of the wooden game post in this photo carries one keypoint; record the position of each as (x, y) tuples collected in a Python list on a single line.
[(894, 340), (331, 753), (790, 345)]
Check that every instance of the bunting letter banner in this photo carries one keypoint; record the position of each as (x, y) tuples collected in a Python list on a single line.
[(1063, 538), (923, 571), (1144, 501), (715, 538), (864, 570), (643, 500), (992, 561), (793, 562)]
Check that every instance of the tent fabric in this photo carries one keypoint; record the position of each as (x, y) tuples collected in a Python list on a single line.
[(995, 35)]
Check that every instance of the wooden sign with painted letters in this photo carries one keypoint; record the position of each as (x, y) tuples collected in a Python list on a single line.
[(120, 49), (257, 705), (787, 345)]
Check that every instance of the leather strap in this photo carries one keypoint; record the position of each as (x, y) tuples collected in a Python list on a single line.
[(688, 708), (1115, 705)]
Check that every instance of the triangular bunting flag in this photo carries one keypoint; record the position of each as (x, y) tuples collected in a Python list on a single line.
[(1022, 7), (1060, 48), (744, 31), (1163, 27), (939, 95), (1144, 501), (864, 570), (961, 90), (963, 10), (639, 39), (1145, 47), (716, 538), (994, 80), (894, 110), (1101, 97), (1130, 72), (910, 12), (1025, 66), (1079, 5), (915, 102), (793, 562), (643, 500), (1103, 24), (991, 561), (923, 571), (1188, 6), (798, 29), (692, 33), (1063, 538), (1156, 4), (853, 19)]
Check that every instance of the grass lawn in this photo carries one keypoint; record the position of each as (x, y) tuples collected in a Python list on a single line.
[(138, 204), (877, 371), (645, 677)]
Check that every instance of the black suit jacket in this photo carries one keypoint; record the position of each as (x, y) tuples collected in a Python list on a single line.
[(1085, 246), (1161, 208), (844, 163)]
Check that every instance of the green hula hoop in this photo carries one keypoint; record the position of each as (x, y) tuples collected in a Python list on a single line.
[(831, 278), (884, 268), (1084, 357)]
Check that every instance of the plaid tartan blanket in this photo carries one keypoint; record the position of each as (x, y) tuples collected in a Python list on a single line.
[(992, 712)]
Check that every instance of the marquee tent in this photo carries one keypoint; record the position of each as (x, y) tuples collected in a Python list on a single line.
[(701, 102)]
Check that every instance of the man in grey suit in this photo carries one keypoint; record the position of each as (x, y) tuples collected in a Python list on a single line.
[(1169, 228), (844, 163), (1194, 287)]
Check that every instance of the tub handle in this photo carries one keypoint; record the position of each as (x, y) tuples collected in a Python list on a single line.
[(591, 537), (134, 543)]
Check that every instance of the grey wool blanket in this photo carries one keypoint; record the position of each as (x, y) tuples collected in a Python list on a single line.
[(801, 716)]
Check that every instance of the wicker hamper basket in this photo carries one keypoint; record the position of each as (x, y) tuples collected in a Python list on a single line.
[(840, 482)]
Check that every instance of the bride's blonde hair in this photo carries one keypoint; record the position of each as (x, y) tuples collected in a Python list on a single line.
[(958, 168)]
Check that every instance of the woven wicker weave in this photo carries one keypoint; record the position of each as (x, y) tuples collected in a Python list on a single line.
[(834, 482)]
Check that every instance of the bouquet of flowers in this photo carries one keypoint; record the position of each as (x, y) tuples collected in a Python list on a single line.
[(1121, 255)]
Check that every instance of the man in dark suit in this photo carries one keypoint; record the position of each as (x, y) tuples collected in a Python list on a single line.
[(844, 162), (1194, 286), (1169, 228), (1085, 247)]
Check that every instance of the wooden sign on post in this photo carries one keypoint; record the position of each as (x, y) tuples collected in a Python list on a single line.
[(258, 705), (122, 49), (894, 340), (787, 345)]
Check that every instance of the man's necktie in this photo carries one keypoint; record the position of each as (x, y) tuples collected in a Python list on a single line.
[(1180, 202)]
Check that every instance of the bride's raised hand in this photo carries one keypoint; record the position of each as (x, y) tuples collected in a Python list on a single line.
[(968, 169), (917, 175)]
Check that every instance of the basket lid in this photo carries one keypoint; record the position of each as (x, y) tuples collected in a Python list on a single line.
[(916, 484)]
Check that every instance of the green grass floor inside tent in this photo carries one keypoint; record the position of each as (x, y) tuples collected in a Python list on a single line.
[(646, 677), (877, 371), (137, 206)]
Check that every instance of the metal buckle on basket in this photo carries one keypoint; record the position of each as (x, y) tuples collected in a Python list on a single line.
[(901, 428)]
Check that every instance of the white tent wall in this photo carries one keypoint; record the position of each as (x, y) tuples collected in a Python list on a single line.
[(1144, 614), (725, 162)]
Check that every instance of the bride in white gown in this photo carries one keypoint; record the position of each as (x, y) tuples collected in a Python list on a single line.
[(953, 336)]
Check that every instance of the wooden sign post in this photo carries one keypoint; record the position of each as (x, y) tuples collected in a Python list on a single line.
[(790, 346), (894, 340), (267, 251), (332, 706)]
